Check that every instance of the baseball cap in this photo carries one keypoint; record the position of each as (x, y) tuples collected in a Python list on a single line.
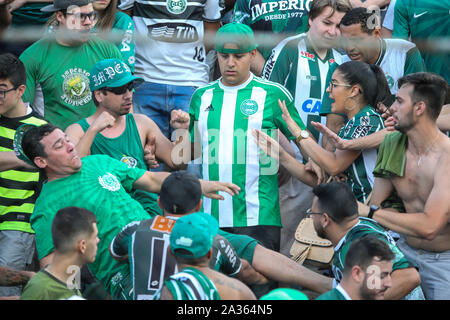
[(110, 73), (64, 4), (180, 192), (284, 294), (17, 143), (194, 233), (238, 34)]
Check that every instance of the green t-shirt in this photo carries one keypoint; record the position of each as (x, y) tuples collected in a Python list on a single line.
[(223, 118), (273, 17), (360, 172), (44, 286), (333, 294), (128, 149), (30, 14), (102, 186), (63, 75), (123, 27), (425, 20)]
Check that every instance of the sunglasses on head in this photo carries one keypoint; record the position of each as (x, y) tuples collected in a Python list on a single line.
[(120, 90)]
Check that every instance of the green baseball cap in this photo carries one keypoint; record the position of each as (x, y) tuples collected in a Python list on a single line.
[(17, 143), (111, 73), (194, 233), (284, 294), (238, 34)]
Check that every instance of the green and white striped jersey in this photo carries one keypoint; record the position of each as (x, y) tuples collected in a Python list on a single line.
[(190, 284), (360, 172), (221, 122), (422, 20), (397, 58), (296, 65)]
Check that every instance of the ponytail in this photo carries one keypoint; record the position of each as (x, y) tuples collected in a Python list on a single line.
[(370, 78), (382, 93)]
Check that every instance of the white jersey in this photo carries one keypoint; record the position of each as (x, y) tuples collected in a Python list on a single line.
[(169, 39), (296, 65)]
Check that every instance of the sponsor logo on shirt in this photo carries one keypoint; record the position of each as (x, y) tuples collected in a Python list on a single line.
[(176, 6), (76, 87), (311, 105), (209, 108), (390, 80), (129, 161), (419, 15), (173, 32), (363, 128), (259, 9), (109, 182), (307, 55), (249, 107)]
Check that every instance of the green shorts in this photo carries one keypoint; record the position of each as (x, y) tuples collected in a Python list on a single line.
[(244, 245)]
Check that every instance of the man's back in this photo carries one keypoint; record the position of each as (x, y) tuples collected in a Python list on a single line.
[(146, 244)]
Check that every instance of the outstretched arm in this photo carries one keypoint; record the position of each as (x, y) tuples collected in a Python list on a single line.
[(12, 277)]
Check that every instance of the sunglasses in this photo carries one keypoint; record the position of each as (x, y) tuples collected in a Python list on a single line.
[(82, 16), (120, 90)]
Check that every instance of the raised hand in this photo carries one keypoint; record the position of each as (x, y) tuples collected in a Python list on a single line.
[(292, 126), (386, 114), (150, 153), (337, 141), (268, 145), (103, 121), (210, 189), (179, 119)]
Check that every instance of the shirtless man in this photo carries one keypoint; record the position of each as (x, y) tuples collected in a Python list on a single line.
[(424, 184)]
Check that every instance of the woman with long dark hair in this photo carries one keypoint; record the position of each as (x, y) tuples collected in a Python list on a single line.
[(356, 88)]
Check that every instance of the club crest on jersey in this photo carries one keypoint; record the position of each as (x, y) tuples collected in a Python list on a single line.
[(129, 161), (249, 107), (307, 55), (109, 182), (76, 87), (176, 6)]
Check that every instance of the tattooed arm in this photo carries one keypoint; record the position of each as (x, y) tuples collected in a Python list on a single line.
[(11, 277)]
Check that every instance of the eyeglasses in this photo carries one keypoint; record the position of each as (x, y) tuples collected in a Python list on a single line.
[(335, 84), (82, 16), (309, 213), (120, 90), (4, 92)]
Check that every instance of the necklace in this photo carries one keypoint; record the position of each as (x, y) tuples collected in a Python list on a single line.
[(428, 149)]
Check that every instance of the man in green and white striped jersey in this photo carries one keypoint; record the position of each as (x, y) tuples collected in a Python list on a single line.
[(301, 62), (222, 116)]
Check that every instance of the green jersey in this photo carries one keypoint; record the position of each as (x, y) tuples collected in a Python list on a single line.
[(423, 20), (45, 286), (62, 73), (295, 64), (30, 14), (102, 186), (19, 188), (222, 118), (128, 149), (273, 17), (146, 245), (360, 172), (397, 58), (190, 284), (337, 293)]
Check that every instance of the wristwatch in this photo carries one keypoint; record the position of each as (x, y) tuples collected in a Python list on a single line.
[(304, 134), (372, 210)]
